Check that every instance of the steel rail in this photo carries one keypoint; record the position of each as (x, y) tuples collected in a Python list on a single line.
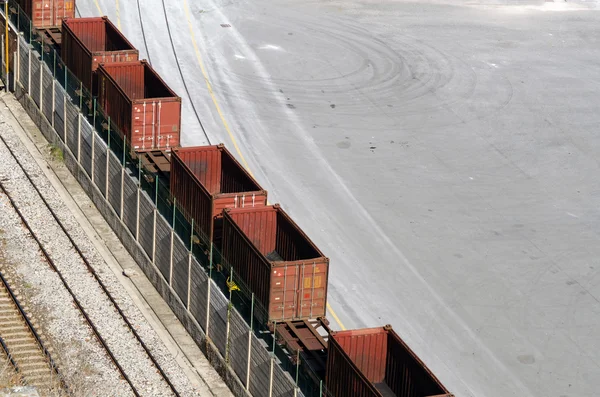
[(94, 274), (31, 329)]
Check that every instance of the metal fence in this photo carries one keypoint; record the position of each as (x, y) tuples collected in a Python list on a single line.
[(222, 306)]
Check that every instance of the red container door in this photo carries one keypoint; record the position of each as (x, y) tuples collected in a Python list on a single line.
[(298, 290), (284, 293), (156, 125), (168, 120), (42, 13), (312, 290), (63, 9), (143, 132), (47, 13)]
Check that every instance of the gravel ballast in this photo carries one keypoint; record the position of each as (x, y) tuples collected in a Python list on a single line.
[(62, 322)]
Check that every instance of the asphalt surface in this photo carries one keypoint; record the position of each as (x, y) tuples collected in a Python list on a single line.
[(444, 155)]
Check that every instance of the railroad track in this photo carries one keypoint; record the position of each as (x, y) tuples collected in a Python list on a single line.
[(23, 345), (76, 300)]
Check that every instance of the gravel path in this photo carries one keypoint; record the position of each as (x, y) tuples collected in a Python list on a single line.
[(64, 322)]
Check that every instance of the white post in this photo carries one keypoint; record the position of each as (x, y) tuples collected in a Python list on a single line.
[(227, 324), (78, 138), (18, 58), (137, 216), (53, 100), (16, 73), (271, 377), (107, 168), (41, 69), (107, 172), (250, 344), (65, 118), (4, 61), (189, 289), (171, 261), (207, 307), (249, 360), (154, 238), (93, 154), (122, 191), (29, 74)]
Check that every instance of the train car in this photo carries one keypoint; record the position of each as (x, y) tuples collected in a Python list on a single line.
[(87, 42), (140, 104), (375, 362), (207, 179), (277, 261), (48, 14)]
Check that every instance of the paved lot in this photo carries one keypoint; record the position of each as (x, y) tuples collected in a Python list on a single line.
[(445, 156)]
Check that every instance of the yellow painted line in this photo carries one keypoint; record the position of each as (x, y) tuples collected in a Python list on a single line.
[(335, 317), (98, 7), (210, 90), (118, 14), (225, 124)]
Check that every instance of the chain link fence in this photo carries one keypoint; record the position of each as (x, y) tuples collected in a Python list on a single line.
[(204, 284)]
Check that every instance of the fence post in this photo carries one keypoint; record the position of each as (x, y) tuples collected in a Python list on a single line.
[(189, 287), (189, 290), (139, 186), (228, 318), (154, 228), (250, 344), (4, 61), (53, 87), (93, 142), (107, 161), (78, 138), (53, 102), (137, 217), (29, 73), (18, 58), (15, 65), (207, 294), (123, 179), (271, 376), (41, 69), (172, 251), (65, 114)]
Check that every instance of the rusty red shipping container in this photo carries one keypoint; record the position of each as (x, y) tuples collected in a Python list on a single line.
[(86, 42), (48, 13), (207, 179), (140, 104), (277, 261), (375, 362)]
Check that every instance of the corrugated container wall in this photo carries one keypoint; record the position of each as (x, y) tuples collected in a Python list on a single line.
[(375, 362), (48, 13), (277, 261), (87, 42), (140, 104), (207, 179)]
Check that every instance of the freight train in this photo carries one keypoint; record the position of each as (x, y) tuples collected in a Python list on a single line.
[(271, 255)]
